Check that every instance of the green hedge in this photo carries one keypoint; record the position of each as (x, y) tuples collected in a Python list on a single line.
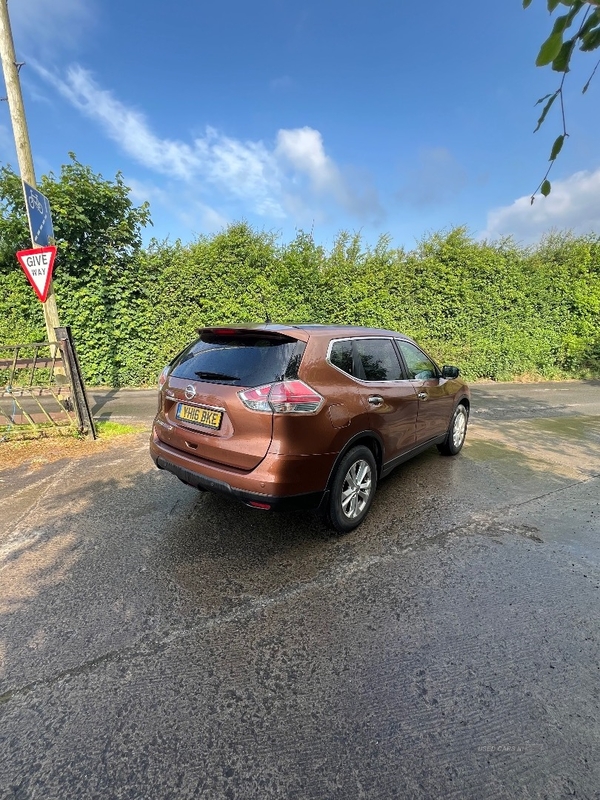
[(497, 310)]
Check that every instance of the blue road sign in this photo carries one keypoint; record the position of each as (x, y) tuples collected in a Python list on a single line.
[(38, 211)]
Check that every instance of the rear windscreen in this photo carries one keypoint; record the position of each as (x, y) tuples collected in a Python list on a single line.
[(240, 359)]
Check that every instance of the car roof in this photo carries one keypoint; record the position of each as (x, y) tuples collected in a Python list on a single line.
[(312, 330), (350, 330)]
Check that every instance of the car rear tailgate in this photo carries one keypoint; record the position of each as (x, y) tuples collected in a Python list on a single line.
[(241, 439)]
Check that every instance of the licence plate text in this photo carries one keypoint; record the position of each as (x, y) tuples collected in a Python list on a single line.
[(200, 416)]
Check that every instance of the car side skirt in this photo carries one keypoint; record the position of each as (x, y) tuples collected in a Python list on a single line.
[(395, 462)]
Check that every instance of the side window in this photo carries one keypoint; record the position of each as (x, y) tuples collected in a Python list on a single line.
[(341, 356), (378, 360), (419, 366)]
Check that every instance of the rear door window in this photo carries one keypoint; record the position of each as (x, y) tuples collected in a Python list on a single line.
[(240, 359), (377, 359), (367, 359)]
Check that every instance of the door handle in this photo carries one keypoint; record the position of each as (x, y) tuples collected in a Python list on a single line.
[(376, 400), (422, 395)]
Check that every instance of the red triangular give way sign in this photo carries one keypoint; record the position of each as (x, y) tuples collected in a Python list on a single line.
[(37, 265)]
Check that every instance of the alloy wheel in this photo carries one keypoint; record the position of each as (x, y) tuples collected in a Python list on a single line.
[(356, 489), (459, 429)]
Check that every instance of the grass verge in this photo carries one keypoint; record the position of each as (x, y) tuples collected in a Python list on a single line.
[(34, 451)]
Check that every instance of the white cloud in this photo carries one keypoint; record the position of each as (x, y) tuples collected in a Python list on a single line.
[(262, 177), (141, 191), (200, 218), (303, 150), (573, 204), (196, 215), (46, 25), (245, 170)]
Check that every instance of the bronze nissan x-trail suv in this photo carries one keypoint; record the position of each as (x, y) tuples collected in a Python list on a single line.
[(303, 416)]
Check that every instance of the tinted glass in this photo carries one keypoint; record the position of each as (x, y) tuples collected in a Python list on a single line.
[(341, 356), (419, 366), (378, 360), (240, 359)]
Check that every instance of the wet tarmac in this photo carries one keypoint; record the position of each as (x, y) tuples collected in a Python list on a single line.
[(160, 643)]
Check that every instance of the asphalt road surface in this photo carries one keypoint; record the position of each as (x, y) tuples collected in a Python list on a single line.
[(160, 643)]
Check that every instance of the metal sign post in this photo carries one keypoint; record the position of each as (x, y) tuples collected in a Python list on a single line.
[(14, 96), (73, 370)]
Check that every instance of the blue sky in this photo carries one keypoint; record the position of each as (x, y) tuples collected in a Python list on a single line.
[(380, 116)]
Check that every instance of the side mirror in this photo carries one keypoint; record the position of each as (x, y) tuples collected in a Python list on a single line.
[(450, 372)]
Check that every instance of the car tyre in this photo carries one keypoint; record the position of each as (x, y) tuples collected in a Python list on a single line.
[(457, 432), (352, 489)]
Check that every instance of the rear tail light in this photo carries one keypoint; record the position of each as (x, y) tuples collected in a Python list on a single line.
[(257, 399), (162, 378), (285, 397), (293, 397)]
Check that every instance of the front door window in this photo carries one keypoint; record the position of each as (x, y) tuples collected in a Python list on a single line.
[(420, 368)]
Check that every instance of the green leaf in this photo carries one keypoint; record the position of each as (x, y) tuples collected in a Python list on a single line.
[(546, 188), (545, 97), (561, 23), (591, 22), (590, 41), (557, 146), (545, 111), (526, 3), (552, 5), (563, 59), (549, 50)]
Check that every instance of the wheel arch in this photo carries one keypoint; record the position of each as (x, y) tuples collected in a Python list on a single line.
[(466, 402), (368, 438)]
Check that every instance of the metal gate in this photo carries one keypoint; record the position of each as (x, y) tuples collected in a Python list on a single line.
[(41, 388)]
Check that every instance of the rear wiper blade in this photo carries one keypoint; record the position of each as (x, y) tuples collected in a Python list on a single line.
[(217, 376)]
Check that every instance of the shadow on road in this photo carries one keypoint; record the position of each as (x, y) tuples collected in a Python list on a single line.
[(102, 399)]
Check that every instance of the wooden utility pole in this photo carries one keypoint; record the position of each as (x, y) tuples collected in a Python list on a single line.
[(23, 147)]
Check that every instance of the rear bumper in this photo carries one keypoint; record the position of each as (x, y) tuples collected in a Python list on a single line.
[(248, 488)]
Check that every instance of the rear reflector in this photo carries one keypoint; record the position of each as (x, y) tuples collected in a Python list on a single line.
[(262, 506), (284, 397)]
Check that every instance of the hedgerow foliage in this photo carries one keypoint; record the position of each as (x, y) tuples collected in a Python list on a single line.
[(497, 310)]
